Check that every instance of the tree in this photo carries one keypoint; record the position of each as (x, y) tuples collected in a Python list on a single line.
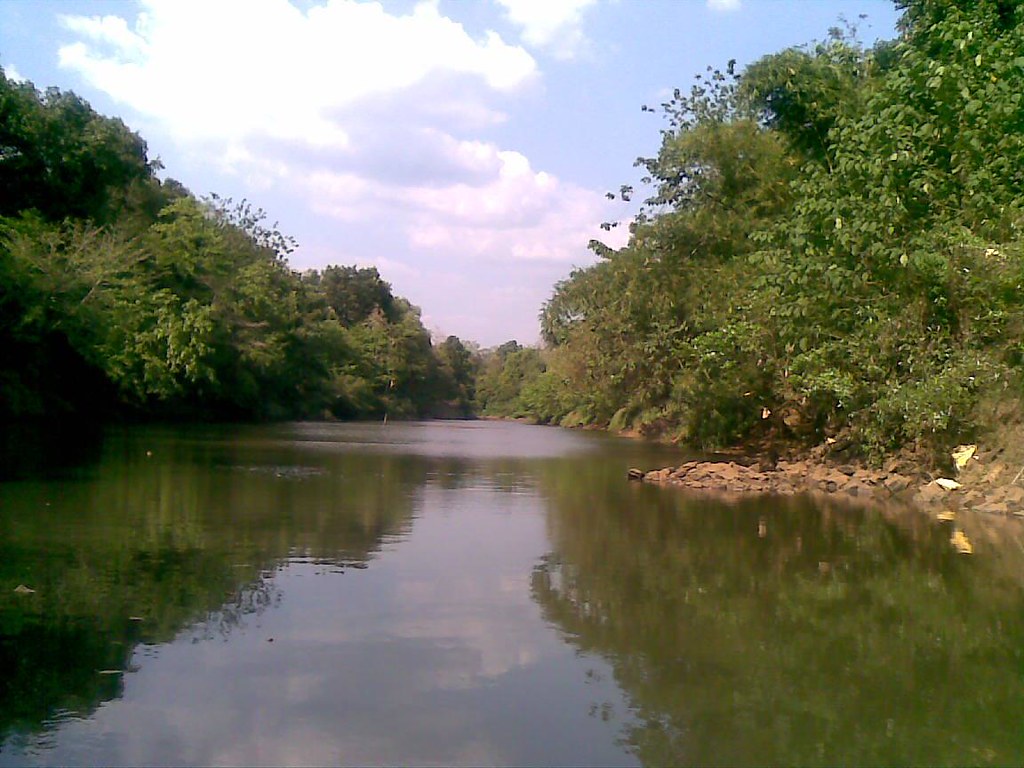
[(504, 373), (458, 369), (60, 158), (354, 293), (119, 292)]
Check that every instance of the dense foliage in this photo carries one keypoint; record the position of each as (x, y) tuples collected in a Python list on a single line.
[(832, 250), (124, 294)]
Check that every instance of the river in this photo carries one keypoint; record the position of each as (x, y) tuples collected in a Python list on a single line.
[(479, 593)]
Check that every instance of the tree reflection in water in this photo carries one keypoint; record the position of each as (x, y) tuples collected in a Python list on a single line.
[(161, 536), (779, 631)]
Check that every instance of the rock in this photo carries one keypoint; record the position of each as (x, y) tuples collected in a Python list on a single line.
[(930, 493), (1014, 494), (972, 498), (995, 494), (21, 589), (838, 478), (993, 474), (740, 476), (896, 484), (994, 508), (729, 472), (816, 472)]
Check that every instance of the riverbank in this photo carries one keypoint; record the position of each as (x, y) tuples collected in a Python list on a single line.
[(985, 483)]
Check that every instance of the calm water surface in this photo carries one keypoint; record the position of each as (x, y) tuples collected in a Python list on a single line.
[(484, 594)]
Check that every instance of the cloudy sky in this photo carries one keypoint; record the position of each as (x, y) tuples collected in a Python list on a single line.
[(463, 147)]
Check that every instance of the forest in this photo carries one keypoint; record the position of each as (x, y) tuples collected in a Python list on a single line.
[(830, 254), (124, 296)]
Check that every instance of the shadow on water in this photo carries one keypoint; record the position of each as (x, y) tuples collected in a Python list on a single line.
[(781, 631), (165, 533), (48, 449)]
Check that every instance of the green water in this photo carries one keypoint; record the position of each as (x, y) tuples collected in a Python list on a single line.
[(482, 594)]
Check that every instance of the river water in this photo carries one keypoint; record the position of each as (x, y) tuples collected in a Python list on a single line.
[(480, 593)]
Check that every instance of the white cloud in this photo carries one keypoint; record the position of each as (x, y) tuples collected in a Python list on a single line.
[(724, 5), (370, 124), (518, 213), (555, 25), (109, 29), (12, 74), (234, 68)]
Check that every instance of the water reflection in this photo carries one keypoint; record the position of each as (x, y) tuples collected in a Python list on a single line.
[(164, 534), (789, 633), (253, 595), (482, 594)]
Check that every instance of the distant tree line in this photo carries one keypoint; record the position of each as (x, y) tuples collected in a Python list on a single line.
[(124, 295), (832, 252)]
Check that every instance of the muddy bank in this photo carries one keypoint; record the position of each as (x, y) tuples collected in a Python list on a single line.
[(984, 484)]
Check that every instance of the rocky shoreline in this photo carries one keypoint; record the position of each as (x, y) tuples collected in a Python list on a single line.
[(984, 484)]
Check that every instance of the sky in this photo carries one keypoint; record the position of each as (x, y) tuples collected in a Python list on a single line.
[(462, 147)]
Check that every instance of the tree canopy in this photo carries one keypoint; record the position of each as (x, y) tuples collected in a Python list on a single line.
[(831, 251), (122, 294)]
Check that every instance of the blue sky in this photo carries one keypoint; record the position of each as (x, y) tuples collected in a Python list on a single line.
[(461, 146)]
